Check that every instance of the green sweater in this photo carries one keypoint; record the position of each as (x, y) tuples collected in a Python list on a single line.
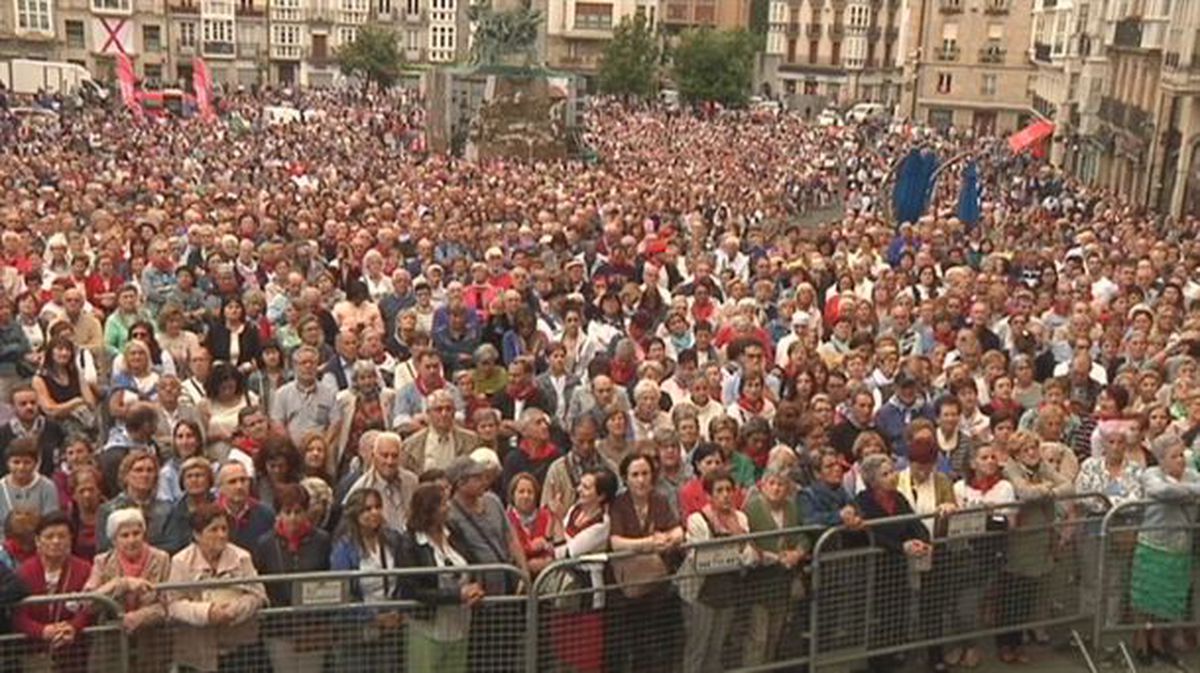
[(758, 512)]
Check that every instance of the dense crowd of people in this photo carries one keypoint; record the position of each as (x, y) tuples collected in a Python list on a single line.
[(237, 350)]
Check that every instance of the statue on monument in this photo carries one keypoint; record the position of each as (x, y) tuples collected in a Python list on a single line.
[(506, 37)]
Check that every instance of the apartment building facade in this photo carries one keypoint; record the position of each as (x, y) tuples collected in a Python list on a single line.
[(841, 51), (1071, 68), (966, 64), (1149, 119), (244, 42)]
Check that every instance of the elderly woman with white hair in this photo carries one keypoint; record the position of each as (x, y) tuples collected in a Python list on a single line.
[(128, 574), (648, 418), (366, 405), (1161, 587)]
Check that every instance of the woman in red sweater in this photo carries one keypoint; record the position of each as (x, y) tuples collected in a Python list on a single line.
[(57, 626)]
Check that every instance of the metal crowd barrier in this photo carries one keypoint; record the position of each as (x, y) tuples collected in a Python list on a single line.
[(872, 601), (586, 619), (1117, 556), (100, 647), (855, 597)]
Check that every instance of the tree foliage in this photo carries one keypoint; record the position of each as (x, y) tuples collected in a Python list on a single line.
[(715, 66), (630, 63), (374, 55)]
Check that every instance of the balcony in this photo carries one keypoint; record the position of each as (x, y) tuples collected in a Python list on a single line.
[(893, 33), (874, 34), (320, 14), (837, 30), (1041, 52), (286, 52), (1049, 4), (1128, 33), (219, 49), (183, 8), (996, 7), (250, 50), (251, 12), (415, 17), (992, 55), (951, 6), (949, 53), (793, 28), (814, 30)]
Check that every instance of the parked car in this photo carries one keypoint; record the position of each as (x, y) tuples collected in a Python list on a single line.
[(830, 117), (862, 112)]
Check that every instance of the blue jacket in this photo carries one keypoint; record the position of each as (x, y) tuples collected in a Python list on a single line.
[(347, 556), (821, 505), (893, 419)]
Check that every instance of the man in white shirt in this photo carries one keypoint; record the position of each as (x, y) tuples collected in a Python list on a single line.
[(394, 483)]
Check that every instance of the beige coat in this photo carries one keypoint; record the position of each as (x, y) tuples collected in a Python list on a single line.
[(199, 647), (149, 608), (347, 402), (464, 442)]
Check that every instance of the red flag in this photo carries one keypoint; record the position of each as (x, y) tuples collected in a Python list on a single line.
[(202, 83), (1023, 139), (128, 83)]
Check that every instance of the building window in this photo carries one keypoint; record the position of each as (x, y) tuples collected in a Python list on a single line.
[(187, 34), (110, 5), (218, 36), (412, 40), (75, 38), (593, 16), (151, 38), (441, 43), (941, 118), (412, 7), (814, 51), (285, 10), (347, 34), (34, 15), (945, 82), (152, 72), (988, 87), (285, 34), (384, 6)]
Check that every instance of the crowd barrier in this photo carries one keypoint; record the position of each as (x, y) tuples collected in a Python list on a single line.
[(717, 605), (1117, 546)]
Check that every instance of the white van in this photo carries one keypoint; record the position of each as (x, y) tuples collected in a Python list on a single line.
[(862, 112)]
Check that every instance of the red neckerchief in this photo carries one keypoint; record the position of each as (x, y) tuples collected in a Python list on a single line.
[(247, 444), (523, 392), (425, 390), (18, 553), (538, 453), (295, 537), (754, 407), (985, 484), (887, 501), (759, 458), (239, 518), (622, 373)]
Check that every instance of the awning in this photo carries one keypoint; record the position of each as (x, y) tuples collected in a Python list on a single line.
[(1030, 135)]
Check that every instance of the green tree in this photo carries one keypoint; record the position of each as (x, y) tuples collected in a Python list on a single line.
[(374, 55), (715, 66), (630, 63)]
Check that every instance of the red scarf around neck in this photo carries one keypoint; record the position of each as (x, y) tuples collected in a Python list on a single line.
[(538, 453), (754, 407), (521, 392), (622, 373), (425, 389), (985, 484), (294, 538), (887, 501)]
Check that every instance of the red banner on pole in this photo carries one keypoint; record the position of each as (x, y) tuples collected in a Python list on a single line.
[(202, 83), (128, 82)]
